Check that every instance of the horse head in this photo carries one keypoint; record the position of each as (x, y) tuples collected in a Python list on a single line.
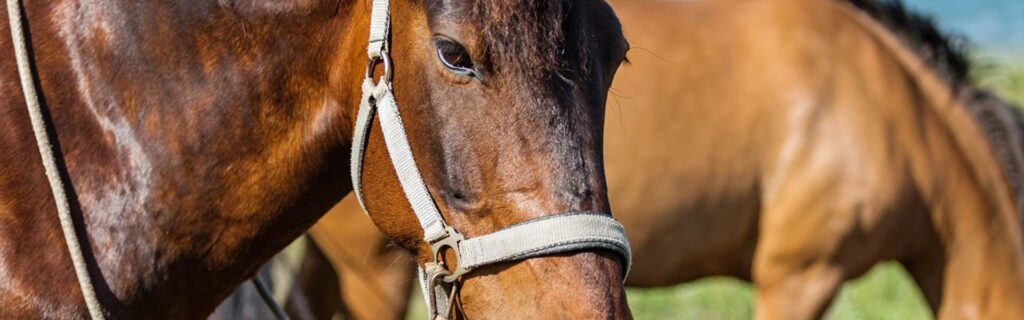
[(503, 102)]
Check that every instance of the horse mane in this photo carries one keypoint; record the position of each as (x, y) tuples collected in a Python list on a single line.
[(1003, 125), (1000, 120), (946, 54)]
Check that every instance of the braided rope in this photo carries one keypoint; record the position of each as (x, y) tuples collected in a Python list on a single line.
[(60, 195)]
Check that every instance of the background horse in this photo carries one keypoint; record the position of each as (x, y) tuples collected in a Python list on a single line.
[(795, 144), (201, 137)]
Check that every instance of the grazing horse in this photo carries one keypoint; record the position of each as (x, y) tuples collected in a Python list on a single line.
[(198, 138), (794, 144)]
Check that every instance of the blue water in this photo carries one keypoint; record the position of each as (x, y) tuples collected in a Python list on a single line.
[(992, 26)]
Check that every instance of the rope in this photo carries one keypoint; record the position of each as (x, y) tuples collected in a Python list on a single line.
[(268, 298), (49, 160)]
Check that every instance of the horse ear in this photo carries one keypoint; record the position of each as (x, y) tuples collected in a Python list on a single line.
[(257, 8)]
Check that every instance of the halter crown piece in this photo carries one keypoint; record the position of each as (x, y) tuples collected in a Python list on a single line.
[(569, 231)]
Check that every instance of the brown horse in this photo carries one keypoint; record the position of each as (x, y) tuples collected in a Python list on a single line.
[(791, 143), (200, 137)]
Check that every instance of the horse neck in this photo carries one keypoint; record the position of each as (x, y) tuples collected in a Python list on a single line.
[(198, 140), (972, 208)]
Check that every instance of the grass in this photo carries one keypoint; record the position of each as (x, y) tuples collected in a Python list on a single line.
[(712, 299), (1005, 79), (884, 293)]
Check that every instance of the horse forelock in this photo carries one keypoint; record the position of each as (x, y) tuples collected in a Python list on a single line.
[(525, 37)]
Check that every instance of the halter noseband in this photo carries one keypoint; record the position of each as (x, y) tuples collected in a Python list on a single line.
[(570, 231)]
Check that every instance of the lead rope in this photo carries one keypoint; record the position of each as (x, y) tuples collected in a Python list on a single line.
[(60, 196), (268, 297)]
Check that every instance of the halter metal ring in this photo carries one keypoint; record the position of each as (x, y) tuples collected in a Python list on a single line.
[(452, 239), (384, 59)]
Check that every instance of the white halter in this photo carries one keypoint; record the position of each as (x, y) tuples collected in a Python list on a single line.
[(571, 231)]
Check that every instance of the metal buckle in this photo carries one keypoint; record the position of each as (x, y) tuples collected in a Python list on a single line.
[(452, 239), (433, 283), (384, 59)]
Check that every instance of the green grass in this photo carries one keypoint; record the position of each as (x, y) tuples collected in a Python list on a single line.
[(1007, 80), (884, 293), (887, 292), (712, 298)]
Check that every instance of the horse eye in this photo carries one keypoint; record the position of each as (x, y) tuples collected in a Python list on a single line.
[(454, 57)]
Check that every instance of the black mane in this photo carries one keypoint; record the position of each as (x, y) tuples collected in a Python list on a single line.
[(945, 53)]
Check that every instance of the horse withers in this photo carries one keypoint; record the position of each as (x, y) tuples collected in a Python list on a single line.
[(197, 138)]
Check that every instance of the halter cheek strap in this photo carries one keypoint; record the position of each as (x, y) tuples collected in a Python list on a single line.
[(570, 231)]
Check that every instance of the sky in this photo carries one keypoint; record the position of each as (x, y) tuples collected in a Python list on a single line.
[(991, 26)]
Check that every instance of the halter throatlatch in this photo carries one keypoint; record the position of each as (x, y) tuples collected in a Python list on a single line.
[(570, 231)]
